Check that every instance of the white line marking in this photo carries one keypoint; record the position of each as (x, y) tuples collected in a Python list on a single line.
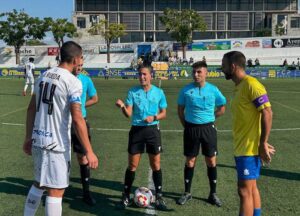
[(171, 131), (149, 210), (286, 106), (17, 110)]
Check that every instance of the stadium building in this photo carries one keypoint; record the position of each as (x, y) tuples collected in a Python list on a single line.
[(224, 18)]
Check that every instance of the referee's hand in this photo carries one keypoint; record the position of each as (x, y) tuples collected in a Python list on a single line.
[(92, 159)]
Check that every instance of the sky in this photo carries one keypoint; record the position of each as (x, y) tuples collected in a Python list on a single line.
[(41, 9)]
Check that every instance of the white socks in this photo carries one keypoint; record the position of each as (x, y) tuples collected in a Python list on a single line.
[(53, 206), (25, 87), (33, 200)]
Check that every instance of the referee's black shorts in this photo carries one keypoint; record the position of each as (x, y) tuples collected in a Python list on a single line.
[(77, 147), (196, 135), (144, 136)]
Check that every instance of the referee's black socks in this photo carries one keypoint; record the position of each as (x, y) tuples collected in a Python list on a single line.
[(157, 179), (129, 178), (85, 178), (212, 177), (188, 177)]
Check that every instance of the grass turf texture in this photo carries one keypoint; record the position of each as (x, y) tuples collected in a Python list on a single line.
[(279, 184)]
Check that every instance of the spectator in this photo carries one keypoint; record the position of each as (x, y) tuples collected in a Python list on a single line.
[(284, 64), (298, 63), (191, 61), (256, 62), (204, 59), (249, 63)]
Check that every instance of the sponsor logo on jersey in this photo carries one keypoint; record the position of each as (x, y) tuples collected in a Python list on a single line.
[(74, 99), (42, 133)]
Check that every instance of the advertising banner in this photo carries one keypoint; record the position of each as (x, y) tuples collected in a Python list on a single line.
[(211, 45), (117, 48), (53, 51), (285, 42), (178, 47)]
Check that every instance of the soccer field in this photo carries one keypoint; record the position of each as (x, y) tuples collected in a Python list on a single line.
[(279, 183)]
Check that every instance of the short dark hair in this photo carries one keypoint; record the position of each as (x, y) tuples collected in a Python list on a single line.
[(237, 58), (69, 51), (149, 67), (199, 64), (31, 59)]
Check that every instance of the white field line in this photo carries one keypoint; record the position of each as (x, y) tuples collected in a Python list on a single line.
[(168, 131), (150, 210), (17, 110), (286, 106)]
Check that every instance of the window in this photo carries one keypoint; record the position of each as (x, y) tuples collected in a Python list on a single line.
[(94, 5), (79, 5), (81, 22), (113, 5), (149, 36), (161, 5), (258, 5), (204, 5), (132, 37), (185, 4), (131, 20), (277, 4), (221, 5), (295, 22), (149, 5), (131, 5), (240, 5)]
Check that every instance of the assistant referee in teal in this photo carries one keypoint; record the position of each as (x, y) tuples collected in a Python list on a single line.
[(199, 104), (146, 104)]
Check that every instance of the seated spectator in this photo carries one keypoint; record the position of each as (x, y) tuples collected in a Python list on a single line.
[(204, 59)]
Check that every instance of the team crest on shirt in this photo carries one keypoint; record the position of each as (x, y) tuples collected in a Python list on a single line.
[(246, 172)]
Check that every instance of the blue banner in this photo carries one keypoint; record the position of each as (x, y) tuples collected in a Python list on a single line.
[(170, 73)]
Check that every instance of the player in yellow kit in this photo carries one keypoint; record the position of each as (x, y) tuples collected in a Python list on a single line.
[(252, 121)]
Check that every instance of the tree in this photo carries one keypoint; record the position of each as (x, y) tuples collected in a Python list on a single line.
[(109, 31), (181, 24), (279, 29), (19, 27), (60, 29), (35, 42), (265, 32)]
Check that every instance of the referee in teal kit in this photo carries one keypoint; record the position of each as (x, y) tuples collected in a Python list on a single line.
[(199, 104), (146, 104)]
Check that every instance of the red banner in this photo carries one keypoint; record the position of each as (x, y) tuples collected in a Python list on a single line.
[(53, 51)]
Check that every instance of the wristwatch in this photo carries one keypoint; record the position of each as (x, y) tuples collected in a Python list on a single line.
[(155, 118)]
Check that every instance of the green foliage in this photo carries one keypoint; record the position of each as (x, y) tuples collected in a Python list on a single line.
[(279, 29), (17, 27), (181, 24), (61, 28), (109, 31), (266, 32), (35, 42)]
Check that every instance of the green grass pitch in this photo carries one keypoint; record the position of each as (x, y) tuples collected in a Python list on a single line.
[(279, 183)]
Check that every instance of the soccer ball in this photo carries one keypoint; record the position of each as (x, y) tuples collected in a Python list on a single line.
[(143, 197)]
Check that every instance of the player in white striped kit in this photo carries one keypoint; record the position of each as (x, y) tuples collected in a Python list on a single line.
[(29, 78), (54, 104)]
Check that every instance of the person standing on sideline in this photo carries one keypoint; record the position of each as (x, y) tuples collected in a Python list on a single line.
[(252, 122), (88, 90), (29, 78), (54, 105), (199, 104), (146, 104)]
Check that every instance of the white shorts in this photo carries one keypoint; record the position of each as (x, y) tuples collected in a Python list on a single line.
[(51, 169), (29, 80)]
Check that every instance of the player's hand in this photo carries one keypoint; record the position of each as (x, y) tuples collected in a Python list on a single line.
[(265, 152), (149, 119), (27, 146), (92, 159), (120, 103)]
